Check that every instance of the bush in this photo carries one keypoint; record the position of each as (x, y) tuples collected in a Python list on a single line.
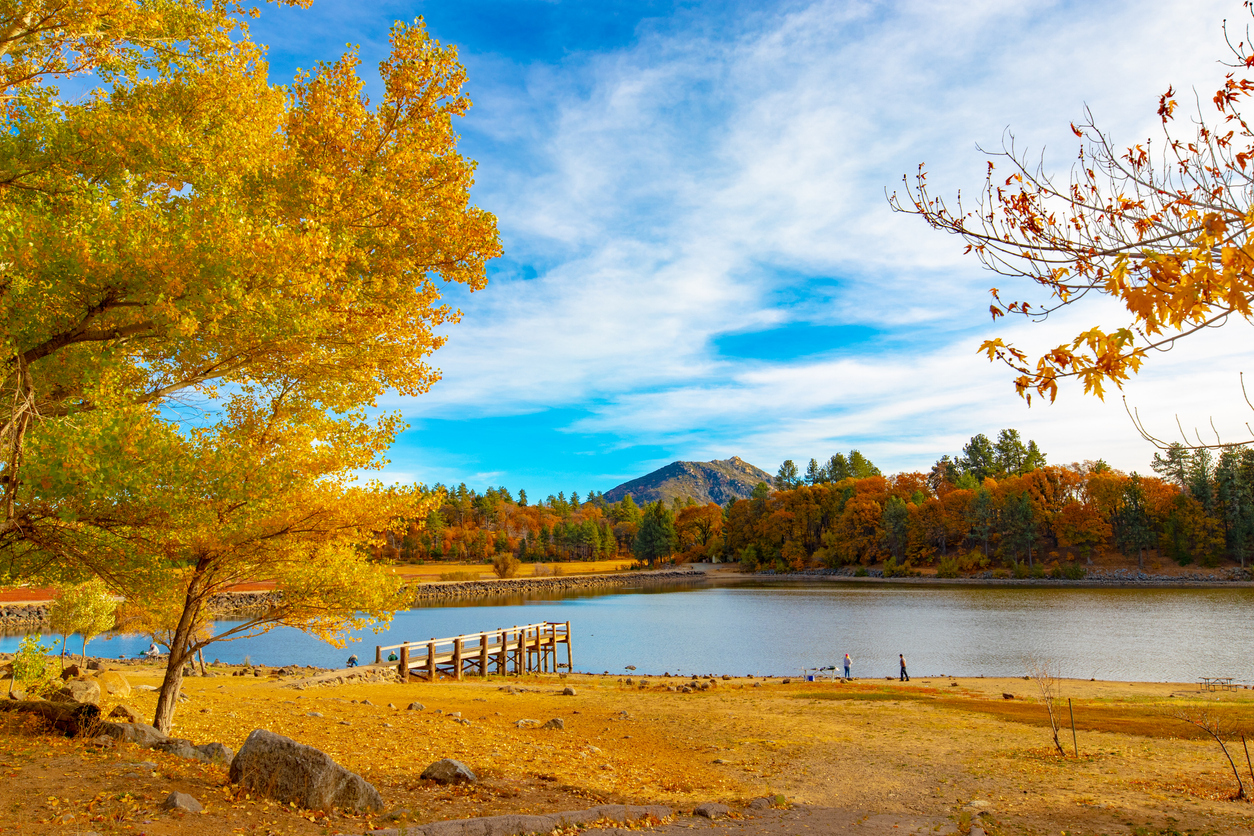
[(861, 572), (948, 567), (1001, 574), (505, 565), (33, 671), (893, 569), (461, 576)]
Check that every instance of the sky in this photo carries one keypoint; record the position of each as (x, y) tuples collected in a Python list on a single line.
[(700, 258)]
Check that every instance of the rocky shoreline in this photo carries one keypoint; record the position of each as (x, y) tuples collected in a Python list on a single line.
[(20, 617), (1094, 577)]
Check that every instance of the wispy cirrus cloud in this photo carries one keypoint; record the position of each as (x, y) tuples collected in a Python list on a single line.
[(724, 172)]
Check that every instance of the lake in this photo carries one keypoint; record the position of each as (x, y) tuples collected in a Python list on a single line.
[(1175, 634)]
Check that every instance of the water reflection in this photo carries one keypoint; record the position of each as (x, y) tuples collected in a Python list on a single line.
[(778, 629)]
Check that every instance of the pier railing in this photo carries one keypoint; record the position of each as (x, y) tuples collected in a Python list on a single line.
[(526, 649)]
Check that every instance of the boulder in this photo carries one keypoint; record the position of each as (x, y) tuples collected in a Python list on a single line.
[(557, 723), (71, 672), (181, 801), (141, 735), (528, 724), (415, 706), (449, 771), (290, 772), (126, 714), (568, 691), (711, 810), (205, 752), (114, 684), (760, 804), (78, 690)]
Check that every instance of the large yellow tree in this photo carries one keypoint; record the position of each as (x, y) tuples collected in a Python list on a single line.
[(1163, 228), (206, 280), (187, 225)]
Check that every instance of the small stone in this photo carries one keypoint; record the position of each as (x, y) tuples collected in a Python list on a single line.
[(568, 691), (345, 723), (366, 702), (786, 682), (415, 706), (1007, 696), (391, 705), (711, 810), (181, 801), (387, 725), (449, 771), (719, 760), (527, 724), (757, 685), (313, 713), (455, 714), (557, 723)]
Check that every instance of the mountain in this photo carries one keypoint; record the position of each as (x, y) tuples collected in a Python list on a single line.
[(716, 481)]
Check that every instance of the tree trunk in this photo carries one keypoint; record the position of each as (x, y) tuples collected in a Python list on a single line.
[(180, 650), (85, 640)]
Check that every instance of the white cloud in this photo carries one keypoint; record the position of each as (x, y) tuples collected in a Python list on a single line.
[(674, 191)]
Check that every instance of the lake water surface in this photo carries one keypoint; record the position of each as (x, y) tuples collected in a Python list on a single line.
[(1173, 634)]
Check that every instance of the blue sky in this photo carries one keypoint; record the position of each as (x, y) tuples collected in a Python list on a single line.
[(700, 261)]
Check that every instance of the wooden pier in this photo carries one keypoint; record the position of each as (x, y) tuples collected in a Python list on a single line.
[(531, 648)]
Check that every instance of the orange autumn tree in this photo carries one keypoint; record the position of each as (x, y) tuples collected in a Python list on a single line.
[(1163, 231)]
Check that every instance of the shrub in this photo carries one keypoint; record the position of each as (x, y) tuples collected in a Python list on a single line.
[(32, 669), (947, 567), (861, 572), (505, 565), (465, 576)]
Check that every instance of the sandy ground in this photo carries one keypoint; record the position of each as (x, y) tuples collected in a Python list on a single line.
[(932, 755)]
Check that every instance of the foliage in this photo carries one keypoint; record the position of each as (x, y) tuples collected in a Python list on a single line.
[(88, 609), (505, 565), (656, 539), (32, 669), (189, 229), (1167, 240)]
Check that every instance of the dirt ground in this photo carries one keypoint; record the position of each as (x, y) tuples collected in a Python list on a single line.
[(932, 755)]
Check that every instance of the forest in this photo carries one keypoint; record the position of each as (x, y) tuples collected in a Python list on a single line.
[(996, 505)]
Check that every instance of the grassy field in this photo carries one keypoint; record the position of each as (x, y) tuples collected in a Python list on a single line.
[(934, 747)]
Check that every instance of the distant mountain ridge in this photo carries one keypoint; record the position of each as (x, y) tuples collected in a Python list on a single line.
[(717, 481)]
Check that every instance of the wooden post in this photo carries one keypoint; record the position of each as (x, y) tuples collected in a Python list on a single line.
[(501, 666), (1074, 743), (483, 654), (378, 655), (457, 658), (515, 651), (431, 661), (570, 658), (403, 667)]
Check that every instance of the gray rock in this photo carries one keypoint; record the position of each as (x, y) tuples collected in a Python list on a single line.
[(449, 771), (140, 734), (313, 713), (711, 810), (568, 691), (126, 714), (557, 723), (415, 706), (177, 746), (78, 690), (291, 772), (181, 801), (528, 724), (214, 753), (760, 804)]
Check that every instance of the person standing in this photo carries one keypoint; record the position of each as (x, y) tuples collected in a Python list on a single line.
[(848, 662), (905, 677)]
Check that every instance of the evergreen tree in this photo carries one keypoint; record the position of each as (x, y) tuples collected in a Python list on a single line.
[(895, 521), (522, 498), (814, 473), (788, 477), (1130, 523), (656, 538), (860, 466), (837, 468), (979, 458)]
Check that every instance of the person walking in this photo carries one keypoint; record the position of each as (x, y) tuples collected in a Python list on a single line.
[(905, 677), (848, 662)]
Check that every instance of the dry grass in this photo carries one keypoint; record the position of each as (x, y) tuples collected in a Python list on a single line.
[(924, 747), (429, 572)]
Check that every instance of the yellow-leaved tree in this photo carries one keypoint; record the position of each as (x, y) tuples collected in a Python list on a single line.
[(186, 232), (1165, 231)]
